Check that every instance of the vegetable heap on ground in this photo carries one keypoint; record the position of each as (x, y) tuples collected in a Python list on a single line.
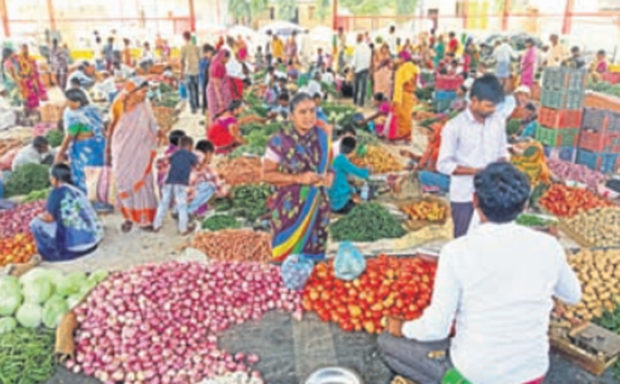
[(604, 87), (219, 222), (159, 323), (26, 356), (17, 249), (250, 201), (576, 172), (41, 194), (43, 296), (235, 244), (600, 226), (599, 273), (377, 158), (389, 286), (425, 210), (240, 170), (566, 201), (27, 178), (366, 222), (17, 220), (257, 135)]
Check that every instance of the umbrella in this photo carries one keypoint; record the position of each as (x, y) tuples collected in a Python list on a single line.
[(321, 34), (241, 30), (282, 28)]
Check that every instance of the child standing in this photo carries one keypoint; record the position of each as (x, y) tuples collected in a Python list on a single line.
[(204, 182), (181, 164), (341, 194)]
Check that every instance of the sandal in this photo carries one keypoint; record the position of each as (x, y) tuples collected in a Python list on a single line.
[(148, 228), (190, 228), (126, 226)]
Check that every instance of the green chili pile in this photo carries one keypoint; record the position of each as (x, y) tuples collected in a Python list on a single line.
[(27, 356), (218, 222), (367, 222)]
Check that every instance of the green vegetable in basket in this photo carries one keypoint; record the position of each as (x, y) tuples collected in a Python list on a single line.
[(218, 222), (367, 222), (27, 178)]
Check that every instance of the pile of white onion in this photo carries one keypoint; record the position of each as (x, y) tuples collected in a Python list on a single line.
[(158, 323)]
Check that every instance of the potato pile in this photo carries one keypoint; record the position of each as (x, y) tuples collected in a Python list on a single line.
[(379, 159), (599, 274), (600, 226)]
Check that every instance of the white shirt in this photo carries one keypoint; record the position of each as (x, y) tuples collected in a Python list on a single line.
[(234, 68), (507, 107), (504, 53), (361, 57), (391, 42), (466, 142), (29, 155), (497, 282)]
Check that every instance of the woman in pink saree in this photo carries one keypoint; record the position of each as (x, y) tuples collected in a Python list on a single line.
[(528, 63), (218, 89), (132, 140), (383, 71), (22, 68)]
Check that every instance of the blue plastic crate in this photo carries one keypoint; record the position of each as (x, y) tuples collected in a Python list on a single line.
[(603, 162), (562, 153), (445, 95)]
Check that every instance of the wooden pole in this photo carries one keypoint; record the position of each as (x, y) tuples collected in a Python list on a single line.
[(4, 12), (505, 15), (50, 11), (567, 22), (192, 16), (334, 14)]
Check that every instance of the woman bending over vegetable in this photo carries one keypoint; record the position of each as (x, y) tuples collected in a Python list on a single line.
[(296, 163), (224, 131), (69, 227)]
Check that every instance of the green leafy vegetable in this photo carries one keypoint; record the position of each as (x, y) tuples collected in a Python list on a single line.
[(29, 315), (27, 178), (54, 137), (41, 194), (367, 222), (533, 221), (27, 356), (611, 320), (7, 324), (218, 222), (250, 201)]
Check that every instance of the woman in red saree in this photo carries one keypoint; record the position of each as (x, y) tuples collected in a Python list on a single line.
[(218, 89), (132, 139)]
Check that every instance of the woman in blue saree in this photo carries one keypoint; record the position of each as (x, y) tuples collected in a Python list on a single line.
[(69, 227), (84, 140), (297, 162)]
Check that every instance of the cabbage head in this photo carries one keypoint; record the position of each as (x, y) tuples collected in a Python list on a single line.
[(53, 311), (7, 324), (29, 315), (70, 284), (38, 290), (10, 295)]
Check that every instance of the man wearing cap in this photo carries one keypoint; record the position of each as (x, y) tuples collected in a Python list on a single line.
[(80, 75)]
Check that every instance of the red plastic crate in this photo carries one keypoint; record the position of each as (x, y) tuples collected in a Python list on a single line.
[(560, 118), (599, 142), (448, 83)]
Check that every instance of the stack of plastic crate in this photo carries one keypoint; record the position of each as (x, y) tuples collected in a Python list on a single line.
[(445, 91), (561, 111), (599, 140)]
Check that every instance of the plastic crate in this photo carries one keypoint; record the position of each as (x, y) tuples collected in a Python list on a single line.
[(603, 162), (560, 118), (562, 78), (561, 99), (448, 83), (599, 141), (561, 153), (600, 120), (553, 137), (445, 95)]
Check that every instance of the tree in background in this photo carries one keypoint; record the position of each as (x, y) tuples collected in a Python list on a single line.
[(322, 8), (406, 7), (244, 11), (286, 9)]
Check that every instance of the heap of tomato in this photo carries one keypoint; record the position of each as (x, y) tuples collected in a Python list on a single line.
[(17, 249), (389, 286), (565, 201)]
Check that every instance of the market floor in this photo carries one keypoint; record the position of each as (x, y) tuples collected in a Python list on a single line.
[(289, 350)]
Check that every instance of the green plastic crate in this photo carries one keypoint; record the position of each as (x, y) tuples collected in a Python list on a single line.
[(563, 99), (562, 78), (553, 137)]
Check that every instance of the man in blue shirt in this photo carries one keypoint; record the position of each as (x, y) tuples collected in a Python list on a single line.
[(341, 194), (320, 114)]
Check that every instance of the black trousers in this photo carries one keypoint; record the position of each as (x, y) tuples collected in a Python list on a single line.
[(360, 83)]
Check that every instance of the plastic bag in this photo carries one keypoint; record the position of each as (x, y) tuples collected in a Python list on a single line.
[(349, 263), (296, 271)]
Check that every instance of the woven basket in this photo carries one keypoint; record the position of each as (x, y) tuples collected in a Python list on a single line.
[(415, 225)]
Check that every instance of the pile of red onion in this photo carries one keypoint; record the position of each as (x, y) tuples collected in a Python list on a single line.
[(17, 220), (158, 323)]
